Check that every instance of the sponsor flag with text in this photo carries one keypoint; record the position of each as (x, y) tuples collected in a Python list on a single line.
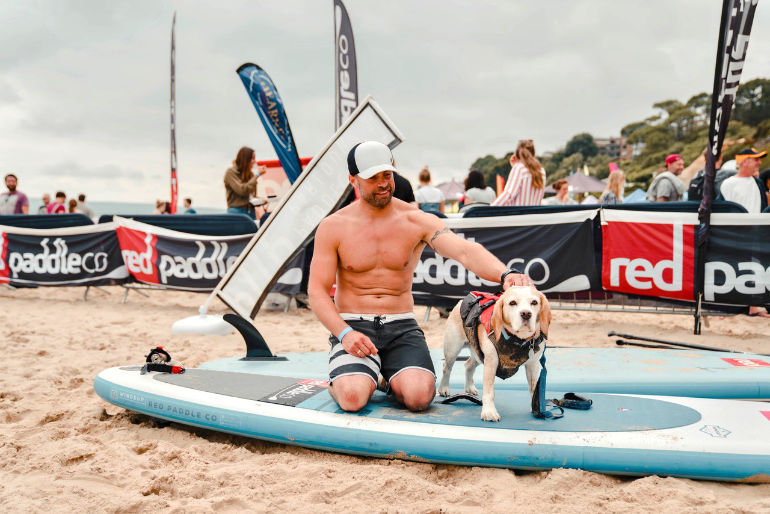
[(345, 69), (174, 183), (734, 32), (271, 111)]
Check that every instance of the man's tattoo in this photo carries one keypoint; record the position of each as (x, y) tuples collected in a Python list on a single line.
[(438, 233)]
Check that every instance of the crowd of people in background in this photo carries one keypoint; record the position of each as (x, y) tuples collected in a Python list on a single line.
[(739, 181), (13, 201)]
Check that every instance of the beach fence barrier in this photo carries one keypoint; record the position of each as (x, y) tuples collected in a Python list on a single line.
[(637, 258), (45, 251)]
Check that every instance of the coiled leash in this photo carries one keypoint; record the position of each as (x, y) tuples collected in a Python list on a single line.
[(542, 408), (160, 360), (569, 401), (539, 403)]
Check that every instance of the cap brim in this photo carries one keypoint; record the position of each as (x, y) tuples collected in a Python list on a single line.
[(370, 172), (740, 157)]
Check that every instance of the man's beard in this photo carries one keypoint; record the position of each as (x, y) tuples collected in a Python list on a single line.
[(11, 189), (376, 201)]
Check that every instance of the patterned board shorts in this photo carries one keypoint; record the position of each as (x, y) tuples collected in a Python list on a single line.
[(399, 341)]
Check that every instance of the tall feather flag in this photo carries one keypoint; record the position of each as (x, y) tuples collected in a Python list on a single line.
[(266, 100), (346, 71), (734, 32), (174, 181)]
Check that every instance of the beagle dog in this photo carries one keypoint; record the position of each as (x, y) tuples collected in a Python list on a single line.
[(515, 336)]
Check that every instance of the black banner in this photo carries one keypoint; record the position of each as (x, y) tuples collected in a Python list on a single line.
[(345, 69), (91, 257), (734, 31), (177, 260), (737, 269), (557, 257)]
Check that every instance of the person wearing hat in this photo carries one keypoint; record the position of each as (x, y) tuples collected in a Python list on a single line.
[(667, 187), (745, 188), (371, 248)]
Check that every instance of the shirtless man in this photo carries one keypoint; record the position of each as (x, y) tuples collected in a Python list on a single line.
[(371, 247)]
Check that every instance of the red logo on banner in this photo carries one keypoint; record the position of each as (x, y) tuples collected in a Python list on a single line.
[(315, 382), (4, 272), (747, 363), (765, 413), (649, 259), (139, 254)]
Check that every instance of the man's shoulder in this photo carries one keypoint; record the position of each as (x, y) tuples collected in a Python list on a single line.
[(734, 181), (336, 217)]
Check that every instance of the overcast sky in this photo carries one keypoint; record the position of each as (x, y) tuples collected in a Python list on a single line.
[(84, 85)]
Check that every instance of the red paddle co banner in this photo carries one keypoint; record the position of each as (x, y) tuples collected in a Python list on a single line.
[(176, 260), (654, 257)]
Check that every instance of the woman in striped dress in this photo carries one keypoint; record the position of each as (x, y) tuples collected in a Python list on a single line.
[(526, 181)]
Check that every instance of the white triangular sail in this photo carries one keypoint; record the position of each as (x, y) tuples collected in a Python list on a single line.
[(320, 189)]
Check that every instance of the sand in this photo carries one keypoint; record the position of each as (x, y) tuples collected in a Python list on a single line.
[(63, 449)]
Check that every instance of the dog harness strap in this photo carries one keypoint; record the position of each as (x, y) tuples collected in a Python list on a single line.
[(513, 351)]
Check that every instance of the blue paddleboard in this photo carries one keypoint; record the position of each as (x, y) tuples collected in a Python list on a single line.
[(621, 434), (699, 374)]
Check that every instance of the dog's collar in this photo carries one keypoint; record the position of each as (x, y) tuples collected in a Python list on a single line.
[(523, 342)]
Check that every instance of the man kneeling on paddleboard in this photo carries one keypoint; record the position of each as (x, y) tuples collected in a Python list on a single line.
[(371, 247)]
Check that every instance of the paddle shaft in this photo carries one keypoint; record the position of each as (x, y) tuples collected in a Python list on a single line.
[(620, 342), (672, 343)]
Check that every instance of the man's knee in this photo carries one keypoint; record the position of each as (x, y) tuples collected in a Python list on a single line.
[(419, 399), (352, 393), (414, 388)]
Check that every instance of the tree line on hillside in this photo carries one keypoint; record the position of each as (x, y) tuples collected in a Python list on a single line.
[(675, 127)]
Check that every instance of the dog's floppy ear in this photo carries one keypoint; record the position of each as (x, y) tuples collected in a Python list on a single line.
[(545, 313), (498, 320)]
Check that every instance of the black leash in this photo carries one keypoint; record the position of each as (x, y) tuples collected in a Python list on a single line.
[(160, 360)]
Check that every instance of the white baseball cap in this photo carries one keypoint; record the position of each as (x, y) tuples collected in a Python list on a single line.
[(369, 158)]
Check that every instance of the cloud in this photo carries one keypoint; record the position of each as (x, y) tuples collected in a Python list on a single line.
[(71, 169), (85, 85), (8, 94)]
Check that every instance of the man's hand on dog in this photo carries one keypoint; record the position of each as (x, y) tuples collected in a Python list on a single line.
[(516, 279), (358, 344)]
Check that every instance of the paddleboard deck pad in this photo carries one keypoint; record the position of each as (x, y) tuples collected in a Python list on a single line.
[(620, 434), (699, 374)]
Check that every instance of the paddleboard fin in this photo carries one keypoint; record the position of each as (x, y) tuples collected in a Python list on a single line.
[(256, 346)]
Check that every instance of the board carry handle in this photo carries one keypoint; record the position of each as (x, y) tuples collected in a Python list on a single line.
[(256, 346), (462, 396)]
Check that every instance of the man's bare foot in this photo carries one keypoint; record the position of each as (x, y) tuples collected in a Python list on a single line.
[(758, 311)]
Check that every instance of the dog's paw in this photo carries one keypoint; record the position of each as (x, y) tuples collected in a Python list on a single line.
[(489, 413), (443, 391), (471, 389)]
